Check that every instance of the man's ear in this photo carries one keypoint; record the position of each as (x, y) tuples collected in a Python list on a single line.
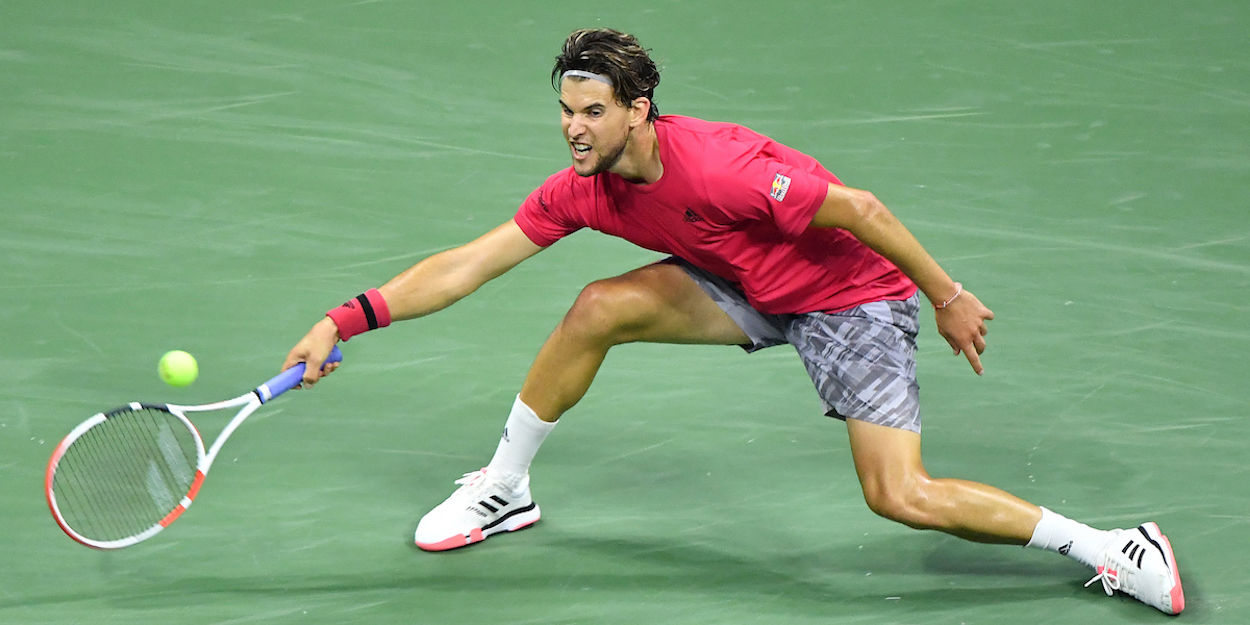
[(638, 110)]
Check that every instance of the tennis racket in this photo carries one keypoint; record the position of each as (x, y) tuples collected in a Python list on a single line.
[(122, 476)]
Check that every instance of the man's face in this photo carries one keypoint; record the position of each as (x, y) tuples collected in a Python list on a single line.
[(596, 126)]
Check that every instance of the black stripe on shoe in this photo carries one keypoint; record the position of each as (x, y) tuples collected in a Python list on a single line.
[(1163, 554), (498, 499), (493, 509), (507, 516)]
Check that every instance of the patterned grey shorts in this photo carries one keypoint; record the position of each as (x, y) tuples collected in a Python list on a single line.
[(862, 360)]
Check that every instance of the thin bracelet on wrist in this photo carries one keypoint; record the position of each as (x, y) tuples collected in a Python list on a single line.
[(959, 288)]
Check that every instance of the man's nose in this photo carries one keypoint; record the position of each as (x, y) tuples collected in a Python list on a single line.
[(575, 127)]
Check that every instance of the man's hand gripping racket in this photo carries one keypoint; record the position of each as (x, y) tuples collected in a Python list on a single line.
[(122, 476)]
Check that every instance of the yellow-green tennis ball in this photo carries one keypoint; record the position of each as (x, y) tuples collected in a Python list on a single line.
[(178, 368)]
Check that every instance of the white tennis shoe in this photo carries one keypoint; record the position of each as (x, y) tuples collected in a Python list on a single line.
[(483, 505), (1139, 562)]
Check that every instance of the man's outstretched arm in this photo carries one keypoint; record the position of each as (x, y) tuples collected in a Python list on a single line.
[(960, 315), (428, 286)]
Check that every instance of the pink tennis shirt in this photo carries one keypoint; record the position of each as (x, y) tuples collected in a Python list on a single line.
[(733, 202)]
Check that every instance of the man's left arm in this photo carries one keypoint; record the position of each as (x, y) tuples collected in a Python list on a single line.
[(960, 315)]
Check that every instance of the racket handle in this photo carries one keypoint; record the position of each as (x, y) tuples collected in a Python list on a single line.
[(291, 378)]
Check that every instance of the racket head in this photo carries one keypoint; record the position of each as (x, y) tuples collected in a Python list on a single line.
[(122, 476)]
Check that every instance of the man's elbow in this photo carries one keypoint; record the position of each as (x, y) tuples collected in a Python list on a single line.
[(861, 210), (868, 209), (850, 209)]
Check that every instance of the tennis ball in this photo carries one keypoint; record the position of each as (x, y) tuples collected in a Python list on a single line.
[(178, 368)]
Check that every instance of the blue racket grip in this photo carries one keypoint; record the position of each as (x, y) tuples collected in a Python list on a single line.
[(291, 378)]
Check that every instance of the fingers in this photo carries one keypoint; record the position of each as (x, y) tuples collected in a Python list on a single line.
[(313, 350), (312, 370), (972, 350), (963, 326), (291, 361), (317, 372), (974, 359)]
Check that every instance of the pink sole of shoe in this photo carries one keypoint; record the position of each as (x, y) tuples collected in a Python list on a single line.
[(475, 536), (1178, 593)]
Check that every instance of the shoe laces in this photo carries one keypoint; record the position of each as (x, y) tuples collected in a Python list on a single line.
[(473, 479), (1111, 567), (474, 482), (1110, 579)]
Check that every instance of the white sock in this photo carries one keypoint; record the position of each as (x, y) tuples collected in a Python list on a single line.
[(523, 434), (1060, 534)]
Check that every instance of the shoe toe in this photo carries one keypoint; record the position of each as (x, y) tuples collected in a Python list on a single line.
[(435, 528)]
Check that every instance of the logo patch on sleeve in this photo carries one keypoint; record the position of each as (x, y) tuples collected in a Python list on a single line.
[(781, 184)]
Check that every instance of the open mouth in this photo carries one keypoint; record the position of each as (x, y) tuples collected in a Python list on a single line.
[(581, 148)]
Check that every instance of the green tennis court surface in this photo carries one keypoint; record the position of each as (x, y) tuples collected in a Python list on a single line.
[(213, 176)]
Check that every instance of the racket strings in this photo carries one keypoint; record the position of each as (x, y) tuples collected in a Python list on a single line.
[(124, 475), (86, 480), (74, 494)]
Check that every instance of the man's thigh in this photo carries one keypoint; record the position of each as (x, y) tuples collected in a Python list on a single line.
[(662, 303), (759, 330)]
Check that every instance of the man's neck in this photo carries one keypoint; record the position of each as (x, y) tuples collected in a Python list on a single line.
[(640, 164)]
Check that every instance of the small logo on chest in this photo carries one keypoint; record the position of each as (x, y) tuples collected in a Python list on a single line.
[(691, 217)]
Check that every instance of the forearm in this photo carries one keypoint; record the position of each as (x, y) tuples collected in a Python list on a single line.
[(881, 231), (432, 284), (869, 221), (961, 321), (428, 286), (444, 278)]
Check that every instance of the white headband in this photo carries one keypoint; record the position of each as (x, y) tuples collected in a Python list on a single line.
[(589, 75)]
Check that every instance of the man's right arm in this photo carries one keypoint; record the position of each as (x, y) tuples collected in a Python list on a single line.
[(428, 286), (440, 280)]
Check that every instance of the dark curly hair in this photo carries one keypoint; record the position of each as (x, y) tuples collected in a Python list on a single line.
[(616, 55)]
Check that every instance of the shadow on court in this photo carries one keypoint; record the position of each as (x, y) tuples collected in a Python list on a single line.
[(811, 581)]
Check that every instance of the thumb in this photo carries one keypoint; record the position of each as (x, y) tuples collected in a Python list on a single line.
[(312, 368), (294, 357)]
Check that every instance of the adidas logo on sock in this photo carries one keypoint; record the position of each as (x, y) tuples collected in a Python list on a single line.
[(1065, 549)]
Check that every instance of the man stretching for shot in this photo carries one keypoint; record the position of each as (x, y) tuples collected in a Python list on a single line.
[(767, 247)]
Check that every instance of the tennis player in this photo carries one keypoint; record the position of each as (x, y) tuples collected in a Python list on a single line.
[(767, 247)]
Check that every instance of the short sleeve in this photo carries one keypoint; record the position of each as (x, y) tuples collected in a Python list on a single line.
[(547, 215), (765, 189)]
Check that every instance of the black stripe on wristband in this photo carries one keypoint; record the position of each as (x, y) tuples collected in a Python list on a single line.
[(365, 306)]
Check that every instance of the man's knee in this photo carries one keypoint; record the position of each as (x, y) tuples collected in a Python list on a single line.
[(905, 501), (614, 309)]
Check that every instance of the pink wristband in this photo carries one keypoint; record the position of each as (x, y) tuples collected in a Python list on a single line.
[(366, 312)]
